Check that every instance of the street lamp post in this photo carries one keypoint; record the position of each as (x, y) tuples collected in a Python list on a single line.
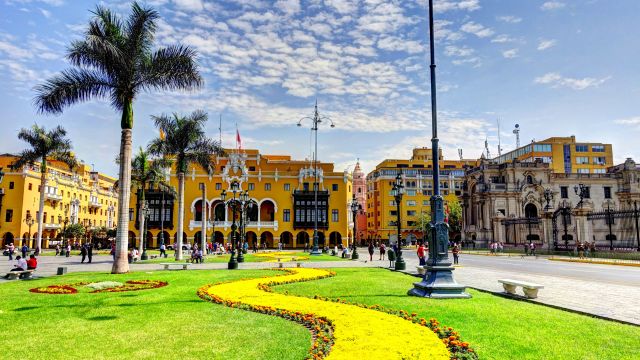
[(245, 205), (438, 281), (355, 207), (581, 190), (203, 235), (143, 231), (397, 191), (162, 219), (316, 119), (29, 221), (234, 203)]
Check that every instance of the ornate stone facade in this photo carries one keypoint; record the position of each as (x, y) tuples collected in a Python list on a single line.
[(518, 202)]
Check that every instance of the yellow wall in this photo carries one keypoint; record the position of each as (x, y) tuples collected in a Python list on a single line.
[(24, 198), (276, 170)]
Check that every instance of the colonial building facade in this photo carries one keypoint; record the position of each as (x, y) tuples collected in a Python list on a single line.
[(281, 189), (520, 202), (360, 194), (79, 196), (417, 175)]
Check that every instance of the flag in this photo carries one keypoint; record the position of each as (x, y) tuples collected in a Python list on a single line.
[(238, 140)]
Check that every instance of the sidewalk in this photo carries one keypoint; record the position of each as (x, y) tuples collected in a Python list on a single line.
[(601, 261)]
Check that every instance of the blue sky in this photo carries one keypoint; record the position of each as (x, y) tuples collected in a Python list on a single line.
[(557, 68)]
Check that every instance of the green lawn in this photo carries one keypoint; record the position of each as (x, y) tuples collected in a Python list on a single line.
[(166, 323), (496, 327)]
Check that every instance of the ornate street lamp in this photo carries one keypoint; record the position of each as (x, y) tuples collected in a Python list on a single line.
[(245, 205), (581, 190), (438, 281), (355, 207), (143, 232), (29, 221), (235, 204), (397, 191), (548, 196), (315, 120)]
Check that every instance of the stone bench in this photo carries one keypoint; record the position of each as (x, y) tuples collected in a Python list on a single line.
[(530, 289), (184, 266), (421, 269), (281, 264), (26, 274)]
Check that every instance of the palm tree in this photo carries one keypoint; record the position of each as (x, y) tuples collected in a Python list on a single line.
[(183, 139), (115, 60), (44, 145), (145, 173)]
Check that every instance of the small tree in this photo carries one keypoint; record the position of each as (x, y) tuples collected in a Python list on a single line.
[(455, 214), (74, 231)]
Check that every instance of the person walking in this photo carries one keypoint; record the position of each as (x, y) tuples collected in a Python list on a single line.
[(57, 249), (455, 251), (526, 249), (532, 249), (420, 253), (83, 252), (371, 250), (383, 250), (24, 251), (68, 253), (11, 249), (163, 250), (90, 252)]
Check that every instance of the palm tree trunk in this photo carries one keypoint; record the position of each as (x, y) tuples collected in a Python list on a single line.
[(43, 184), (141, 217), (121, 263), (180, 215)]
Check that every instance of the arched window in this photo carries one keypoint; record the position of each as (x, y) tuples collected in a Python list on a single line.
[(531, 211), (529, 179)]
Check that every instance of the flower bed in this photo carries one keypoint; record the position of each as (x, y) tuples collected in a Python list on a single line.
[(345, 332), (131, 285)]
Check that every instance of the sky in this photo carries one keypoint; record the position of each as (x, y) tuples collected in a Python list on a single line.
[(556, 68)]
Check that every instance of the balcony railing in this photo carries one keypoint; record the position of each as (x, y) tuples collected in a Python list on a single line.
[(54, 197), (51, 226), (227, 224), (95, 204)]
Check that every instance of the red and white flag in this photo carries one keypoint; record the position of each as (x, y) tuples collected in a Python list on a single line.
[(238, 140)]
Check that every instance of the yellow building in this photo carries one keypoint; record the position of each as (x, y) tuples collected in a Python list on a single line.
[(281, 189), (417, 175), (564, 155), (82, 196)]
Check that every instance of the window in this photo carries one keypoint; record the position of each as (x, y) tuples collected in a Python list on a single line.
[(597, 148), (607, 192), (334, 215), (252, 168), (8, 216), (564, 192), (334, 187), (582, 160), (287, 187), (587, 192), (130, 214), (252, 186), (30, 186), (393, 213), (411, 193), (582, 148), (599, 160), (411, 203), (542, 147), (218, 186), (599, 171), (583, 171), (305, 186), (11, 185), (411, 213), (286, 215), (392, 203), (267, 187), (425, 202)]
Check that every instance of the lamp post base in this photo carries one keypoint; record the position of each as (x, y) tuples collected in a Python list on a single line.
[(354, 255), (438, 283), (233, 264), (315, 252), (144, 255), (400, 264), (240, 256)]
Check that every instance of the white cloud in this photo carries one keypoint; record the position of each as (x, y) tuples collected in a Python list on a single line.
[(477, 29), (343, 6), (546, 44), (457, 51), (502, 39), (190, 5), (509, 19), (556, 80), (289, 7), (552, 5), (510, 54), (449, 5), (629, 121)]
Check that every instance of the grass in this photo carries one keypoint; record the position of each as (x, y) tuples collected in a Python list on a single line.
[(165, 323), (496, 327)]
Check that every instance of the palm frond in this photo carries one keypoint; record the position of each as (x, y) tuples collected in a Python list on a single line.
[(26, 157), (140, 29), (70, 87), (171, 68)]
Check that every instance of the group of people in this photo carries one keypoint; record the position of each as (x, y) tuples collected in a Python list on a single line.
[(63, 251), (585, 249), (10, 250), (495, 247), (530, 249), (22, 263)]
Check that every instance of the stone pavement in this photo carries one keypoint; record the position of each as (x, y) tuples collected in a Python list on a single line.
[(609, 300)]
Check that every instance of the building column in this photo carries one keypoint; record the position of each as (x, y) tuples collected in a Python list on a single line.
[(583, 226)]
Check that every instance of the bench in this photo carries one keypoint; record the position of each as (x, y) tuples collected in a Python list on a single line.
[(281, 264), (184, 266), (421, 269), (26, 274), (530, 289)]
